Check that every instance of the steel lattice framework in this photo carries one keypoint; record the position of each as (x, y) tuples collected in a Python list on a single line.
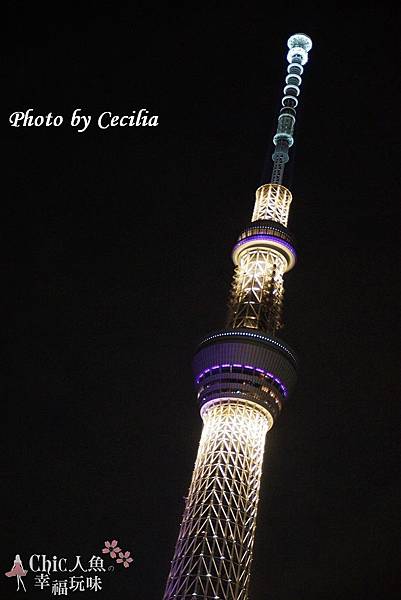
[(272, 202), (257, 292), (243, 375), (214, 549)]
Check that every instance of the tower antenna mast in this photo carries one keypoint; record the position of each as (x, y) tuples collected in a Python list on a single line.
[(299, 45)]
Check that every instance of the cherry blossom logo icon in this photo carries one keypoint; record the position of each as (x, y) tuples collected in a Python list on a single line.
[(112, 548), (125, 559)]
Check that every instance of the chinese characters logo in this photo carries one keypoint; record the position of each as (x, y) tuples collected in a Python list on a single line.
[(55, 574)]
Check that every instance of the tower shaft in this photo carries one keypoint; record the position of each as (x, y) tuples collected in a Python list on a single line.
[(243, 375), (262, 255), (257, 290), (214, 549)]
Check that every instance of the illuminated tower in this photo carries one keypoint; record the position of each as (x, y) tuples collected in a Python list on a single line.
[(243, 374)]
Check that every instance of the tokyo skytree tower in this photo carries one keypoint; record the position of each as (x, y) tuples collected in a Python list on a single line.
[(244, 374)]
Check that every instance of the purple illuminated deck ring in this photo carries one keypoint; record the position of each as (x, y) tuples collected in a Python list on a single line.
[(269, 376), (272, 241)]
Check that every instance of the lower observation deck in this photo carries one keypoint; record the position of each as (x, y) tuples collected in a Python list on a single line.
[(244, 364)]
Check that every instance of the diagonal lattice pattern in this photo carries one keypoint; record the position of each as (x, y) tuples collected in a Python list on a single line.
[(214, 549), (272, 202), (257, 292)]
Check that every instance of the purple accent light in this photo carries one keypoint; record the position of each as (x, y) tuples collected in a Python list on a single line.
[(262, 236), (261, 371)]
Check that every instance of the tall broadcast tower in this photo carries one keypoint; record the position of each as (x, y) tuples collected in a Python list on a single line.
[(244, 375)]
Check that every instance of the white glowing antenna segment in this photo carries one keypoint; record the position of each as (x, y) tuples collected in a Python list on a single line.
[(299, 45)]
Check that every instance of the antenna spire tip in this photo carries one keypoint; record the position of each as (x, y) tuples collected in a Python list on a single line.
[(300, 40)]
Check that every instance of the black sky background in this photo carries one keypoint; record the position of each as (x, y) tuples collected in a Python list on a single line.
[(116, 262)]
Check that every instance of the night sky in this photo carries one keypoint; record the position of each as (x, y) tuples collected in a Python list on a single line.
[(116, 262)]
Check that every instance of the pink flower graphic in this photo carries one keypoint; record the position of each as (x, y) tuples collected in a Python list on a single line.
[(112, 548), (125, 559)]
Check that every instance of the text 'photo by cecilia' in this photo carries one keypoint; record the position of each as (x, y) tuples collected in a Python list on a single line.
[(201, 302)]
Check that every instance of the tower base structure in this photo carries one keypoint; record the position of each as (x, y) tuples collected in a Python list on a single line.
[(214, 548)]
